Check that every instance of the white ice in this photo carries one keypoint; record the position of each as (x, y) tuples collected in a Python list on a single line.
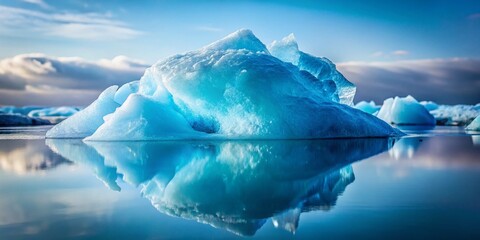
[(86, 122), (457, 115), (53, 112), (474, 125), (405, 111)]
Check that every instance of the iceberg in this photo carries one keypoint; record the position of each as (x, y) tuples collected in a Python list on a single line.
[(321, 68), (53, 112), (474, 125), (18, 110), (10, 120), (86, 122), (231, 89), (429, 105), (368, 107), (125, 90), (405, 111), (455, 115)]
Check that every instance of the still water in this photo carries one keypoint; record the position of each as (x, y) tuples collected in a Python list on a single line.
[(425, 185)]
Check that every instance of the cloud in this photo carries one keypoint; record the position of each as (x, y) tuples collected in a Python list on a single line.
[(45, 80), (396, 53), (448, 81), (400, 52), (474, 16), (39, 3), (208, 29), (378, 54), (86, 26)]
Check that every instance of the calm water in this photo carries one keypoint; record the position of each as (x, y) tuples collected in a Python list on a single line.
[(426, 185)]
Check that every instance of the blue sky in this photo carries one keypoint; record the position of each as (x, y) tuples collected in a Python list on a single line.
[(345, 31)]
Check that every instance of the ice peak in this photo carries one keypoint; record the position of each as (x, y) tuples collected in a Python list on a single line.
[(286, 49), (240, 39), (290, 38), (289, 43)]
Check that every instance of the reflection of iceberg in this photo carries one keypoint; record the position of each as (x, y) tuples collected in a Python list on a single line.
[(433, 153), (235, 185), (80, 153), (476, 140), (405, 148)]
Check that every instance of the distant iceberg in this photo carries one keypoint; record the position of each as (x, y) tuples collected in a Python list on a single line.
[(368, 107), (53, 112), (474, 125), (8, 120), (452, 115), (405, 111), (231, 89), (18, 110), (34, 115), (455, 115), (429, 105)]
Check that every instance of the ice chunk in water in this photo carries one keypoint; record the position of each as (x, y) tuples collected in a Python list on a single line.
[(405, 111)]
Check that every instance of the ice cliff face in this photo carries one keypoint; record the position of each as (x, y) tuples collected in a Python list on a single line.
[(320, 67), (233, 88)]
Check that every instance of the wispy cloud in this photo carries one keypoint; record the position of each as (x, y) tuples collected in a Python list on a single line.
[(38, 78), (474, 16), (39, 3), (208, 29), (86, 26), (452, 81), (396, 53), (378, 54), (400, 52)]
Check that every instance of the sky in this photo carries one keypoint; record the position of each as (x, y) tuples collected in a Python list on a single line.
[(66, 52)]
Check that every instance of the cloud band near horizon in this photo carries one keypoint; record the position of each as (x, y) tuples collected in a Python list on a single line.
[(38, 79), (445, 81)]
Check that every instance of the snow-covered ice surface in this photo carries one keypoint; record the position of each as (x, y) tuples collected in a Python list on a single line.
[(474, 125), (231, 89), (456, 115), (405, 111), (368, 107)]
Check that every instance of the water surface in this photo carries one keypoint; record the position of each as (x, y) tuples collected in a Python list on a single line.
[(425, 185)]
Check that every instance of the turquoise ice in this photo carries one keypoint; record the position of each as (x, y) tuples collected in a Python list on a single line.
[(234, 88), (474, 125)]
